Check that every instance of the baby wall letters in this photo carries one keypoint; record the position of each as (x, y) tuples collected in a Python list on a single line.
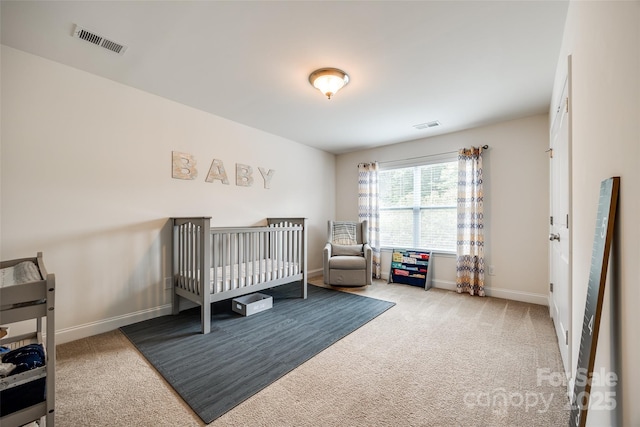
[(184, 167)]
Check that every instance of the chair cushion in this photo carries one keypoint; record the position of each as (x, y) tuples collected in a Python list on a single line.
[(348, 262), (346, 250)]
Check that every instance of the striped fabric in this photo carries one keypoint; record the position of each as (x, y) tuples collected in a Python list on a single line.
[(344, 233), (470, 251), (369, 208)]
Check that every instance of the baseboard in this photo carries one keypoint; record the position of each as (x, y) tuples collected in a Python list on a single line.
[(509, 294), (521, 296), (106, 325), (315, 273), (444, 284)]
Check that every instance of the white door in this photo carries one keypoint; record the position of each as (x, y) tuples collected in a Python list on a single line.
[(559, 229)]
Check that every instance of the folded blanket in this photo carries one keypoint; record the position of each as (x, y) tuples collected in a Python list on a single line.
[(344, 233), (24, 272)]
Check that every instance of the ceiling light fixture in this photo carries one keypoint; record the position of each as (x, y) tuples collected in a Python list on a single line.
[(328, 80)]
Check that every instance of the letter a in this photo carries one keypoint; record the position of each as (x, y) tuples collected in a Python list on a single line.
[(216, 171)]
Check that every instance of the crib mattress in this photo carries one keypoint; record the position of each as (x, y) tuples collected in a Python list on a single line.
[(250, 273)]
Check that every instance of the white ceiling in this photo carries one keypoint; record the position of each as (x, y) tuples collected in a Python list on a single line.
[(463, 63)]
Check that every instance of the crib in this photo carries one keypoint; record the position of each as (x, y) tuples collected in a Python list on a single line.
[(215, 264)]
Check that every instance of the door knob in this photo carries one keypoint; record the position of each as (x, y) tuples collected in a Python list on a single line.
[(553, 237)]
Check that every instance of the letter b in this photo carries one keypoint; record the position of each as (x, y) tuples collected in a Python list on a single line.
[(243, 175)]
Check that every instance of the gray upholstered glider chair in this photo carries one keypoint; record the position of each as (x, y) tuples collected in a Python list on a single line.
[(347, 255)]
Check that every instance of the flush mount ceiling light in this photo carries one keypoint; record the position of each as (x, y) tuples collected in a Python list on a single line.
[(328, 80)]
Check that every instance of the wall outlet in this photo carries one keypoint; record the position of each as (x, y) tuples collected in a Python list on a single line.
[(492, 270), (168, 283)]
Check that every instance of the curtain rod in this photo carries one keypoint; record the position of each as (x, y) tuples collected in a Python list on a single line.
[(484, 147)]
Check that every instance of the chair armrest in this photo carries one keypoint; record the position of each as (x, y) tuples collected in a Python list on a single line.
[(367, 251), (326, 254), (368, 254), (327, 250)]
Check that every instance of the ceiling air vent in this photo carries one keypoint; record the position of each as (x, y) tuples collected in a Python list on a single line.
[(427, 125), (98, 40)]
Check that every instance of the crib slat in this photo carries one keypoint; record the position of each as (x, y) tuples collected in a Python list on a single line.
[(251, 265), (280, 254), (189, 268), (223, 263), (185, 254), (260, 256), (245, 259), (190, 258), (289, 253), (193, 257), (274, 254), (181, 255), (187, 261), (198, 251), (198, 261), (214, 262), (185, 257)]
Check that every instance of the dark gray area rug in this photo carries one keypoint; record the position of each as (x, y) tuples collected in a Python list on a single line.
[(242, 355)]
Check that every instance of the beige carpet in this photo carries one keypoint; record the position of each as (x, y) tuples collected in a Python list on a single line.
[(435, 359)]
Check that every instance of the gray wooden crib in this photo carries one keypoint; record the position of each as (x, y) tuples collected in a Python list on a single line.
[(214, 264)]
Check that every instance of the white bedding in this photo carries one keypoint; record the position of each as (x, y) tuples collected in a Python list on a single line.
[(24, 272), (249, 273)]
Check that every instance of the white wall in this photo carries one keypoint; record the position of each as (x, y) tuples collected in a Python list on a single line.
[(86, 178), (603, 39), (516, 177)]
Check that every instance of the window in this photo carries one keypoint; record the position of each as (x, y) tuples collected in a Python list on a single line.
[(418, 206)]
